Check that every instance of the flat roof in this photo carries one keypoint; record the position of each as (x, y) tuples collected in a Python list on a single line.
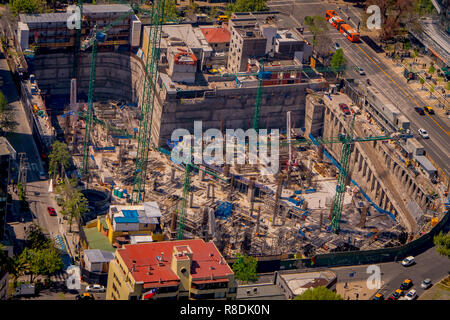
[(104, 8), (44, 17), (300, 282), (98, 256), (425, 163), (96, 240)]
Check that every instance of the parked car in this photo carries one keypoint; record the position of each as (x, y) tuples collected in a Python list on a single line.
[(25, 290), (419, 111), (337, 46), (95, 288), (398, 293), (51, 211), (426, 284), (411, 295), (423, 133), (406, 284), (85, 296), (378, 297), (345, 109), (368, 81), (408, 261), (361, 72)]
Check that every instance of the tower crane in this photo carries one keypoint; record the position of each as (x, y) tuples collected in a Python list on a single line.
[(92, 41)]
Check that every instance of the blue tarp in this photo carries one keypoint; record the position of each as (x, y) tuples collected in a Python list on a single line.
[(353, 181)]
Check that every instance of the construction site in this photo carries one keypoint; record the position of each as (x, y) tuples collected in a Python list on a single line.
[(345, 182)]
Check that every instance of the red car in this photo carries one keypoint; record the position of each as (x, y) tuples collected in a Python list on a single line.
[(51, 211), (344, 108)]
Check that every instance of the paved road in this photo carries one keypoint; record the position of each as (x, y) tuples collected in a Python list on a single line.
[(394, 87), (428, 265), (22, 141)]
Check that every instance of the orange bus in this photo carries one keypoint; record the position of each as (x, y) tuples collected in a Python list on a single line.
[(336, 21), (349, 32), (329, 14)]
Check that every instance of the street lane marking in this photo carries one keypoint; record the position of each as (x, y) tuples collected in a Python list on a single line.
[(414, 101)]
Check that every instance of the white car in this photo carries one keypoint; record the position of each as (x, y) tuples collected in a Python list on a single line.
[(426, 284), (337, 46), (408, 261), (411, 295), (361, 72), (95, 288), (423, 133)]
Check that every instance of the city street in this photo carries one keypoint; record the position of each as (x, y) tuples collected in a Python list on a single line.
[(390, 84), (428, 265)]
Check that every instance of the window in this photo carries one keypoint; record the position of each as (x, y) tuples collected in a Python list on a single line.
[(232, 290), (219, 295)]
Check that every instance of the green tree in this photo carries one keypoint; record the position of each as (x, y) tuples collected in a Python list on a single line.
[(415, 54), (59, 158), (431, 90), (442, 243), (422, 82), (35, 238), (447, 85), (26, 6), (338, 62), (431, 69), (40, 262), (75, 204), (319, 293), (247, 6), (170, 11), (244, 268)]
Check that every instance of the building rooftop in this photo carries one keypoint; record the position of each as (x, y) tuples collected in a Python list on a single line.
[(216, 35), (98, 256), (103, 8), (153, 262), (149, 212), (300, 282), (44, 17), (96, 240)]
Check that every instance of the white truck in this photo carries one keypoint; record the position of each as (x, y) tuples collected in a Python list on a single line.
[(25, 290)]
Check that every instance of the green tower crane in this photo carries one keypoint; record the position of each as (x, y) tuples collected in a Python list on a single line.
[(92, 41), (148, 101), (347, 141)]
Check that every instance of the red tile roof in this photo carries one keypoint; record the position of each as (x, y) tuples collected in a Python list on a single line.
[(216, 35), (156, 273)]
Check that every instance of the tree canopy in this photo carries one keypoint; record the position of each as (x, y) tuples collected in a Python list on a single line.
[(170, 11), (319, 29), (319, 293), (244, 268), (7, 121), (26, 6), (247, 6), (59, 158), (74, 203), (442, 243), (338, 62)]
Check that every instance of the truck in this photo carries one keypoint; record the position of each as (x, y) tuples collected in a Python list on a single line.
[(25, 290)]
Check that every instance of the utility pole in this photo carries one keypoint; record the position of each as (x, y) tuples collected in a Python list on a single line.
[(23, 171)]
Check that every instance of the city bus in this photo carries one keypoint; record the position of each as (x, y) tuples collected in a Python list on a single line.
[(329, 14), (349, 32)]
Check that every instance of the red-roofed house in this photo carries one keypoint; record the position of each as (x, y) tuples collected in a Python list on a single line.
[(172, 270), (217, 37)]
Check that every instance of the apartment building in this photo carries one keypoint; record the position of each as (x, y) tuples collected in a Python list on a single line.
[(51, 31), (170, 270)]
